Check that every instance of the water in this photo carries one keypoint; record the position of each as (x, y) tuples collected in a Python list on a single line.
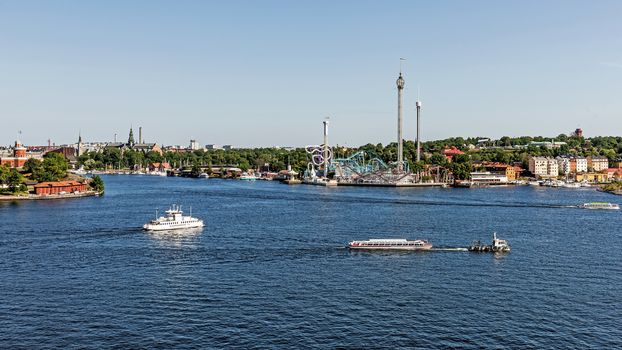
[(269, 269)]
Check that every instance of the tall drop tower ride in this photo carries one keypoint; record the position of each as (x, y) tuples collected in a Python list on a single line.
[(418, 128), (325, 148), (400, 146)]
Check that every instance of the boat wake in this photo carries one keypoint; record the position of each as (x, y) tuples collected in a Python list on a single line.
[(458, 249)]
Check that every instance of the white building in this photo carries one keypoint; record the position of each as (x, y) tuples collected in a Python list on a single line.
[(488, 178), (548, 144), (552, 168), (543, 167), (194, 145), (563, 164), (581, 164), (537, 165)]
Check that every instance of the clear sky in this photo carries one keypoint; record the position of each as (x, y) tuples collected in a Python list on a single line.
[(265, 73)]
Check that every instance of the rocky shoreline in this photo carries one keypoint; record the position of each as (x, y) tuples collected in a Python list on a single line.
[(49, 196)]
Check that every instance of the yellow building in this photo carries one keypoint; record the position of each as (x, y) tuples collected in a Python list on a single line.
[(593, 177), (510, 173)]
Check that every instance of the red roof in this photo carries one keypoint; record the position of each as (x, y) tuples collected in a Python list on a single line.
[(452, 151), (497, 165), (58, 184), (164, 165)]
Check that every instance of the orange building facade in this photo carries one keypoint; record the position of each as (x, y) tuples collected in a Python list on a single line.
[(59, 187), (19, 157)]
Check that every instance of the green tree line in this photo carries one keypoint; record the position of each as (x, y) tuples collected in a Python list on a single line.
[(502, 150)]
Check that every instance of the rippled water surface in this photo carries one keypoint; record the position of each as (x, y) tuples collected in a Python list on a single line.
[(269, 269)]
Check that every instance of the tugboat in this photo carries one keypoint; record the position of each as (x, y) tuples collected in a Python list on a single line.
[(497, 246), (390, 244), (173, 220)]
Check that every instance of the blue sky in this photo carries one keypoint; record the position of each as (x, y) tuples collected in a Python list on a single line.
[(264, 73)]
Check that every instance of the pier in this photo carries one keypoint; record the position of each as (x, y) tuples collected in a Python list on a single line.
[(388, 184)]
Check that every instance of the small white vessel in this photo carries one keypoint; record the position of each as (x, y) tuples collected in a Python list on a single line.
[(173, 220), (247, 177), (203, 176), (390, 244), (600, 205), (79, 171)]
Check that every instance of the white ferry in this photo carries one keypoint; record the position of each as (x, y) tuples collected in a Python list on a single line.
[(173, 220), (390, 244), (600, 205)]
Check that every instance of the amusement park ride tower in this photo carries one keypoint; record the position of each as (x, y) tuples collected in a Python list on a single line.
[(364, 168), (400, 146), (326, 158), (418, 128)]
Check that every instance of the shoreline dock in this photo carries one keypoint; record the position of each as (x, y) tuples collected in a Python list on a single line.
[(424, 184), (50, 196)]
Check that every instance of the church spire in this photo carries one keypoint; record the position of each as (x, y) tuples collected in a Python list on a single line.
[(130, 140)]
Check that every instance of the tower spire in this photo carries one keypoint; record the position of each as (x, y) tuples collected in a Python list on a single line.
[(400, 147), (130, 139), (79, 148)]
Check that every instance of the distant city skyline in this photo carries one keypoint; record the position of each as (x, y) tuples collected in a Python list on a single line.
[(260, 74)]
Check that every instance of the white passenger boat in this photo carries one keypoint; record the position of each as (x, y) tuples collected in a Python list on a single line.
[(390, 244), (247, 177), (600, 205), (173, 220)]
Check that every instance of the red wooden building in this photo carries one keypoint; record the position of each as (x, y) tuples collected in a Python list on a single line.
[(45, 188)]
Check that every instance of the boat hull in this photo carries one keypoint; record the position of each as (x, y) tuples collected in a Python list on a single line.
[(392, 248), (152, 227), (390, 244), (600, 206)]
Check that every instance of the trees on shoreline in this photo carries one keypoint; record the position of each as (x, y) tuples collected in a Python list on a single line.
[(504, 150)]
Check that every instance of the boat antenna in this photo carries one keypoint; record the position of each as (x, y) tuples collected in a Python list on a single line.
[(156, 214), (190, 210)]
